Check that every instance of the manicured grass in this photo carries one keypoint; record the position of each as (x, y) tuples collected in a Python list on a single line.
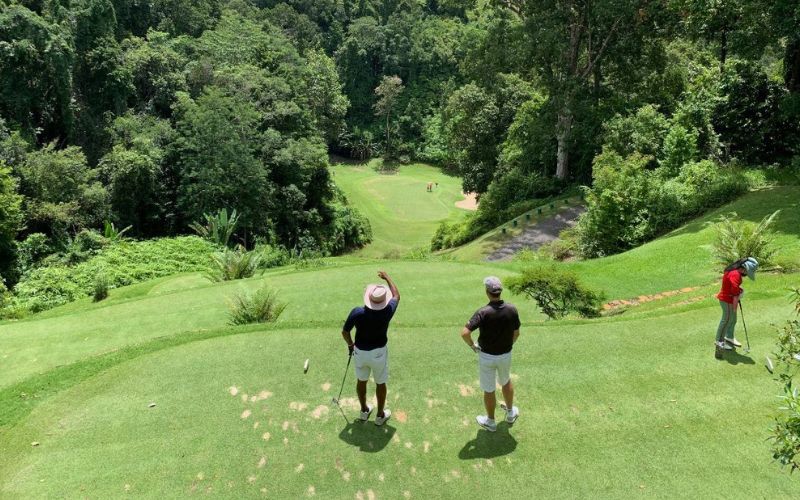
[(628, 407), (402, 213)]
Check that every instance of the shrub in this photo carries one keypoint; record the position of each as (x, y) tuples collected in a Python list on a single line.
[(786, 433), (233, 264), (680, 147), (111, 233), (557, 292), (272, 256), (259, 307), (218, 228), (735, 239), (31, 251), (123, 263), (100, 288), (85, 245)]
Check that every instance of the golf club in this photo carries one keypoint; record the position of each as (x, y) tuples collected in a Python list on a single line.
[(336, 400), (746, 336)]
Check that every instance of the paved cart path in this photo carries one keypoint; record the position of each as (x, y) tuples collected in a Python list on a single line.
[(535, 235)]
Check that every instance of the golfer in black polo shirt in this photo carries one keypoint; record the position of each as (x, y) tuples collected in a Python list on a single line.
[(372, 324), (498, 323)]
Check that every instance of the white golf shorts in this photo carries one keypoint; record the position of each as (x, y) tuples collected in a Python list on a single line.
[(494, 368), (375, 361)]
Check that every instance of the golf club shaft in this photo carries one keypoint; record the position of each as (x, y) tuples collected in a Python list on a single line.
[(347, 369), (744, 324)]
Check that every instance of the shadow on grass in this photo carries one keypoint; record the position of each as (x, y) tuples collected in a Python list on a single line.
[(734, 358), (366, 436), (489, 444)]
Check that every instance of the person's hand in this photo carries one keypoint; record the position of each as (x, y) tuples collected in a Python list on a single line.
[(382, 275), (476, 347), (350, 348)]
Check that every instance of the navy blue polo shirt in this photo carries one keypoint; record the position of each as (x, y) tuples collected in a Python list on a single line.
[(371, 326)]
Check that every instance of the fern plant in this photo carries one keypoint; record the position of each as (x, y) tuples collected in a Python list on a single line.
[(736, 239), (218, 228), (233, 264), (259, 307)]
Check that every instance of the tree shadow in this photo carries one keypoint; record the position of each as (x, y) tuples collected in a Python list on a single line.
[(367, 437), (489, 444), (734, 358)]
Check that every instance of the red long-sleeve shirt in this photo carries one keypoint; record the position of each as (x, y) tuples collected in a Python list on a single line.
[(730, 286)]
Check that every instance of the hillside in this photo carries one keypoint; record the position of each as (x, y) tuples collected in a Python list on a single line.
[(632, 404)]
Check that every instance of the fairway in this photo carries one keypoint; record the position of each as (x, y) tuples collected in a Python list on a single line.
[(150, 393), (402, 213)]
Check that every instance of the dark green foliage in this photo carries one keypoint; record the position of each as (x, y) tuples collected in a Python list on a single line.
[(261, 306), (233, 264), (31, 251), (218, 227), (557, 292), (10, 218), (630, 204), (786, 433)]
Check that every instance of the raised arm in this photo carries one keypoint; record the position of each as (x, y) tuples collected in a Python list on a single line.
[(392, 287)]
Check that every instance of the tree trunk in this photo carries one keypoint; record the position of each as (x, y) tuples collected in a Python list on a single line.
[(388, 150), (563, 129)]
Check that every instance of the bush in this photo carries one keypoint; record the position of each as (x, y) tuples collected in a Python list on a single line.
[(786, 433), (85, 245), (259, 307), (233, 264), (557, 292), (736, 239), (272, 256), (123, 263), (31, 251), (100, 288)]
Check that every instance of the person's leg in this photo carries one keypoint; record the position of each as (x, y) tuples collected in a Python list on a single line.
[(508, 394), (722, 329), (731, 322), (380, 392), (361, 390), (489, 401)]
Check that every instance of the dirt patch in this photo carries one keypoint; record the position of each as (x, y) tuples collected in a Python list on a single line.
[(470, 202), (299, 468), (263, 395), (266, 436), (426, 446), (246, 414), (297, 406), (311, 491), (643, 299), (262, 462), (401, 416), (326, 386), (319, 412), (233, 390), (465, 390)]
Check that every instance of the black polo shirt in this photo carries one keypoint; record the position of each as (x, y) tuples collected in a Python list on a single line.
[(497, 322), (371, 326)]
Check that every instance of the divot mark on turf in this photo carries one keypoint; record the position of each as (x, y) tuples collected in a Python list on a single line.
[(298, 406), (233, 390), (408, 445), (246, 414), (299, 468), (319, 412), (401, 416), (285, 425), (244, 398), (406, 494), (200, 476), (311, 491), (346, 476), (466, 390), (256, 424), (251, 479), (326, 386), (285, 441), (266, 436), (426, 446), (262, 462), (381, 477)]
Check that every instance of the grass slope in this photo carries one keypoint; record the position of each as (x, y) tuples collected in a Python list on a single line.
[(623, 406), (402, 213)]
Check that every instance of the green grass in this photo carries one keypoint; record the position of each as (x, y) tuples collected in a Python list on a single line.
[(403, 215), (625, 406)]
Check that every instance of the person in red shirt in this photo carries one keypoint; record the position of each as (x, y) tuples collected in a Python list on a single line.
[(729, 296)]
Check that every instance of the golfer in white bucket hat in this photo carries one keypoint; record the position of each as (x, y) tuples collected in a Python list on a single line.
[(371, 322)]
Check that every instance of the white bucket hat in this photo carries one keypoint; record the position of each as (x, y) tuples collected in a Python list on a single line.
[(377, 297), (750, 265)]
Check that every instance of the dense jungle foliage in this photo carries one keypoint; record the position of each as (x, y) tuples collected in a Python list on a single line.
[(153, 114)]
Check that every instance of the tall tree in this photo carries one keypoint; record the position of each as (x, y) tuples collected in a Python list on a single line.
[(388, 91), (10, 218), (569, 41)]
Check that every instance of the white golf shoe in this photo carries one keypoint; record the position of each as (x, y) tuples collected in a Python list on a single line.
[(486, 422), (733, 342), (382, 420), (511, 414), (365, 414), (724, 346)]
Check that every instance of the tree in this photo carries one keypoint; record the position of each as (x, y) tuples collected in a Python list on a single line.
[(569, 41), (388, 92), (10, 218)]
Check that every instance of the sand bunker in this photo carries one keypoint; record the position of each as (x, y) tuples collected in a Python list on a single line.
[(470, 202)]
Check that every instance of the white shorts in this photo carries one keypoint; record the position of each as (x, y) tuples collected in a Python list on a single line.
[(494, 368), (375, 361)]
